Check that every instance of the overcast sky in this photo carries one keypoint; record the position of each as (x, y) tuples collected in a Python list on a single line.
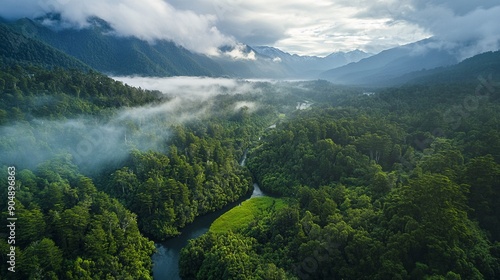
[(297, 26)]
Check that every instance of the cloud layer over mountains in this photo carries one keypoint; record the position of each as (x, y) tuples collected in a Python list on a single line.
[(470, 25), (148, 20), (296, 26)]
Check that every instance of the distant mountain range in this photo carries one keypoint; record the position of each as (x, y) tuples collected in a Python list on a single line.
[(310, 66), (96, 47), (27, 41), (271, 62), (391, 63), (485, 65)]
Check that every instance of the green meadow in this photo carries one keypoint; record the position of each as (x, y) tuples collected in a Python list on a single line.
[(240, 216)]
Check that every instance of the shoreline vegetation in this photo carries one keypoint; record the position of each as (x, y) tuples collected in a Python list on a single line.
[(242, 215), (402, 182)]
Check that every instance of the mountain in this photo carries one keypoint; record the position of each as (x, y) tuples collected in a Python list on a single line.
[(120, 55), (481, 65), (391, 63), (16, 48), (249, 63), (310, 65), (97, 47)]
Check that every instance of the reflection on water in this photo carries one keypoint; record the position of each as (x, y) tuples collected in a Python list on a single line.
[(166, 259)]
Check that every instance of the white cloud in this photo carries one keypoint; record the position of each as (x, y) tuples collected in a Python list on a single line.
[(251, 106), (239, 53), (149, 20), (196, 88), (100, 142), (296, 26), (321, 27), (473, 31), (307, 27), (469, 26)]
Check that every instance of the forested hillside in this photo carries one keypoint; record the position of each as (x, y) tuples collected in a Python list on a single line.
[(148, 139), (398, 184), (484, 64), (67, 228), (115, 55), (33, 92), (390, 64), (92, 179), (16, 48), (393, 183)]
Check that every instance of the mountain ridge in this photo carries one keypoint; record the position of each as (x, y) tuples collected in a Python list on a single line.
[(485, 65), (310, 65), (120, 55), (390, 64), (94, 47)]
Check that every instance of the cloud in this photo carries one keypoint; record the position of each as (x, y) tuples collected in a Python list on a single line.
[(324, 26), (251, 106), (307, 27), (471, 31), (239, 53), (465, 27), (149, 20), (90, 142), (95, 142), (190, 88), (189, 98), (296, 26)]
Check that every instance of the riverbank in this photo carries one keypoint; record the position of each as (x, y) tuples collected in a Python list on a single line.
[(166, 258), (240, 216)]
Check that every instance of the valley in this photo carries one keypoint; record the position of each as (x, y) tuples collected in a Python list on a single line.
[(183, 151)]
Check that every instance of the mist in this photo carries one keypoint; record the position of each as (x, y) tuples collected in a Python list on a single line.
[(465, 28), (148, 20), (96, 142), (206, 26)]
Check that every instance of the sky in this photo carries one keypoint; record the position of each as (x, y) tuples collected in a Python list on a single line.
[(301, 27)]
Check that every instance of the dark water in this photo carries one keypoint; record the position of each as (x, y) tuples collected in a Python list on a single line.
[(166, 260)]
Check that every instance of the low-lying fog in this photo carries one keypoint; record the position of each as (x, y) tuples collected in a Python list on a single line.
[(98, 141)]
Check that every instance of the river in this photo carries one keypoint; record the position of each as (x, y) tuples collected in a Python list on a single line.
[(166, 259)]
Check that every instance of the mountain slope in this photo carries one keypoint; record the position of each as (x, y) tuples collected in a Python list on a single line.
[(15, 48), (389, 64), (470, 69), (310, 65), (252, 64), (119, 55)]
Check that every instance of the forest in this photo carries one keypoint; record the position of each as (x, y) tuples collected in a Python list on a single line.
[(399, 184), (95, 208), (396, 183)]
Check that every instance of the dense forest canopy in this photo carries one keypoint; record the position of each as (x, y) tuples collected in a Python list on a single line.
[(371, 182), (379, 183), (398, 184), (100, 165)]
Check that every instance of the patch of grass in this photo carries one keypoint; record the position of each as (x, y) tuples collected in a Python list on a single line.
[(240, 216)]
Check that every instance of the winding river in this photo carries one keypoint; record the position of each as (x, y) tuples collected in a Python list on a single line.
[(166, 259)]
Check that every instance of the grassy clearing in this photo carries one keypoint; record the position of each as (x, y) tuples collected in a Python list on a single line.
[(240, 216)]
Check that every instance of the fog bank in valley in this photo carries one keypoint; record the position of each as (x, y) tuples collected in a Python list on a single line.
[(98, 141)]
